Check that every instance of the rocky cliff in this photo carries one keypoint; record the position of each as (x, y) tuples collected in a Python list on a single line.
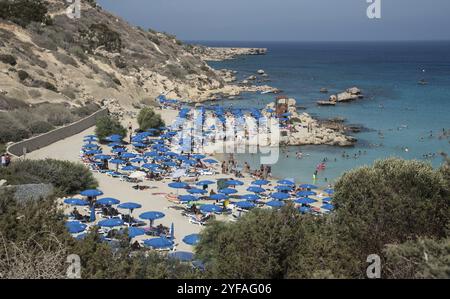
[(46, 56)]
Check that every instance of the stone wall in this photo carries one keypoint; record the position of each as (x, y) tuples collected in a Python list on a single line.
[(29, 145)]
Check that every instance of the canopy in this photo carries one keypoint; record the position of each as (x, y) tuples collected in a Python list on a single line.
[(152, 215), (178, 185), (108, 201), (129, 206), (192, 239), (159, 243), (245, 204), (308, 186), (210, 209), (275, 204), (76, 202), (112, 222), (91, 193), (280, 195), (75, 227), (260, 182), (182, 256), (255, 189), (306, 193), (228, 191)]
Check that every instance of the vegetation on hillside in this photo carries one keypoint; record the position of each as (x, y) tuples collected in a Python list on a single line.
[(67, 177), (109, 125), (23, 12), (148, 119)]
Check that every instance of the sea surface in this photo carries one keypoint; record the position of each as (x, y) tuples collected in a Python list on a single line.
[(401, 118)]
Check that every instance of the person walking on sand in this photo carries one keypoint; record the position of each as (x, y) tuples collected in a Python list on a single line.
[(3, 160)]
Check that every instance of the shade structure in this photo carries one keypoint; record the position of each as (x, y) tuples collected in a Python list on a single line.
[(76, 202), (286, 182), (260, 182), (187, 198), (305, 210), (305, 201), (255, 189), (328, 207), (192, 239), (280, 195), (306, 193), (178, 185), (151, 166), (170, 164), (117, 161), (308, 186), (75, 227), (276, 204), (218, 196), (135, 232), (102, 157), (205, 183), (137, 160), (90, 146), (128, 155), (112, 222), (245, 204), (250, 197), (129, 168), (196, 191), (129, 206), (210, 161), (198, 156), (119, 150), (93, 152), (210, 209), (234, 183), (91, 193), (284, 188), (228, 191), (329, 191), (159, 243), (108, 201), (153, 215), (182, 256)]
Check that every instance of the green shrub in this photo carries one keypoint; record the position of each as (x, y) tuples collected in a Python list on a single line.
[(23, 12), (69, 92), (78, 52), (148, 119), (107, 126), (7, 103), (65, 59), (40, 127), (23, 75), (86, 110), (11, 129), (101, 35), (44, 84), (68, 177), (8, 59)]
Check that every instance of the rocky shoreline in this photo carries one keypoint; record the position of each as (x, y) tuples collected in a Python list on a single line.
[(224, 53)]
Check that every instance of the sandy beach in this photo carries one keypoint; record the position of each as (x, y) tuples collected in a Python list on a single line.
[(153, 199)]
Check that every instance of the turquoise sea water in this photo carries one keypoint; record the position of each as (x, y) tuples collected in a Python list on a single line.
[(396, 106)]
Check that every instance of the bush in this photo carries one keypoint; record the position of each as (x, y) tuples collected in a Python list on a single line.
[(148, 119), (86, 110), (65, 59), (69, 178), (107, 126), (40, 127), (44, 84), (23, 12), (8, 59), (78, 52), (101, 35), (23, 75), (11, 129)]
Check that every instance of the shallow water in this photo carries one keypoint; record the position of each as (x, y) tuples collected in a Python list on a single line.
[(395, 105)]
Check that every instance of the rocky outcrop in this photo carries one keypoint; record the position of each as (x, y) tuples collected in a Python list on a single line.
[(305, 130), (220, 54), (351, 94)]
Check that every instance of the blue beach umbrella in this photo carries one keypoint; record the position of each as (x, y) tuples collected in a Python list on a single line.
[(228, 191), (328, 207), (245, 204), (90, 146), (182, 256), (305, 210), (139, 144), (207, 183), (159, 243), (108, 201), (92, 214), (112, 222), (196, 191), (210, 161), (286, 182), (210, 209), (327, 199), (280, 195), (306, 193), (91, 193), (94, 152), (234, 183), (102, 157), (275, 204), (129, 206), (152, 215), (117, 161), (284, 188), (219, 196), (178, 185), (135, 232), (260, 182), (192, 239), (170, 164), (187, 198), (137, 160), (150, 166), (119, 150), (75, 227), (329, 191), (198, 156), (129, 168), (255, 189), (308, 186), (305, 201), (128, 155), (250, 197), (76, 202)]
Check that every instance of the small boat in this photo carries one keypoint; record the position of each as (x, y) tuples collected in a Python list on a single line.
[(423, 82), (326, 103)]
